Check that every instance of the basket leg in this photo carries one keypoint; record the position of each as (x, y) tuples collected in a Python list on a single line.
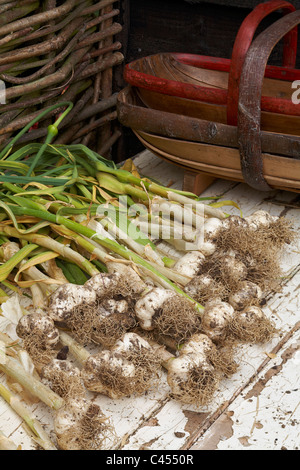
[(196, 182)]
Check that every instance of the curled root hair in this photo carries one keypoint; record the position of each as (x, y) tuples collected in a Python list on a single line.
[(260, 331), (148, 368), (39, 351), (198, 389), (222, 358), (95, 432), (177, 318)]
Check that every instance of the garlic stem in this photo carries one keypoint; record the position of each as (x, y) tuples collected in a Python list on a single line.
[(12, 368)]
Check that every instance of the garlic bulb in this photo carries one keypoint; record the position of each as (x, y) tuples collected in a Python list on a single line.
[(233, 269), (131, 342), (63, 378), (40, 326), (81, 425), (199, 343), (234, 220), (102, 283), (148, 305), (68, 297), (215, 319), (212, 226), (247, 293), (252, 326), (191, 376), (109, 373), (260, 219), (198, 284), (190, 264)]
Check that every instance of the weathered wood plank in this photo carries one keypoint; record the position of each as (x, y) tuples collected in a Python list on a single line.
[(154, 421)]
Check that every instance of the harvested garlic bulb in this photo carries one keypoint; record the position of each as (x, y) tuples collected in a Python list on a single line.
[(39, 326), (149, 304), (81, 425), (212, 226), (103, 283), (260, 219), (129, 367), (236, 221), (232, 269), (109, 373), (215, 319), (252, 326), (247, 293), (191, 376)]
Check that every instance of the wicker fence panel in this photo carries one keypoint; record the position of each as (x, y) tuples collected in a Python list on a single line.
[(52, 52)]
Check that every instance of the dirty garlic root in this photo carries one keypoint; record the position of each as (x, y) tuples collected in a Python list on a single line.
[(246, 294), (63, 378), (168, 313), (79, 424), (130, 367), (100, 311), (39, 336), (190, 264), (252, 326), (258, 241)]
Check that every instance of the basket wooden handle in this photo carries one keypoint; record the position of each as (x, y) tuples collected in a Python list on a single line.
[(242, 43), (249, 107)]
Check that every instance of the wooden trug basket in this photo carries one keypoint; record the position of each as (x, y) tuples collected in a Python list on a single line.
[(243, 132), (55, 52)]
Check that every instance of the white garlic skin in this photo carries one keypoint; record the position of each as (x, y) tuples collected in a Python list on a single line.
[(198, 283), (207, 248), (260, 219), (190, 264), (68, 297), (248, 292), (115, 306), (234, 269), (42, 324), (67, 422), (215, 319), (212, 226), (199, 343), (102, 282), (130, 342), (148, 304)]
